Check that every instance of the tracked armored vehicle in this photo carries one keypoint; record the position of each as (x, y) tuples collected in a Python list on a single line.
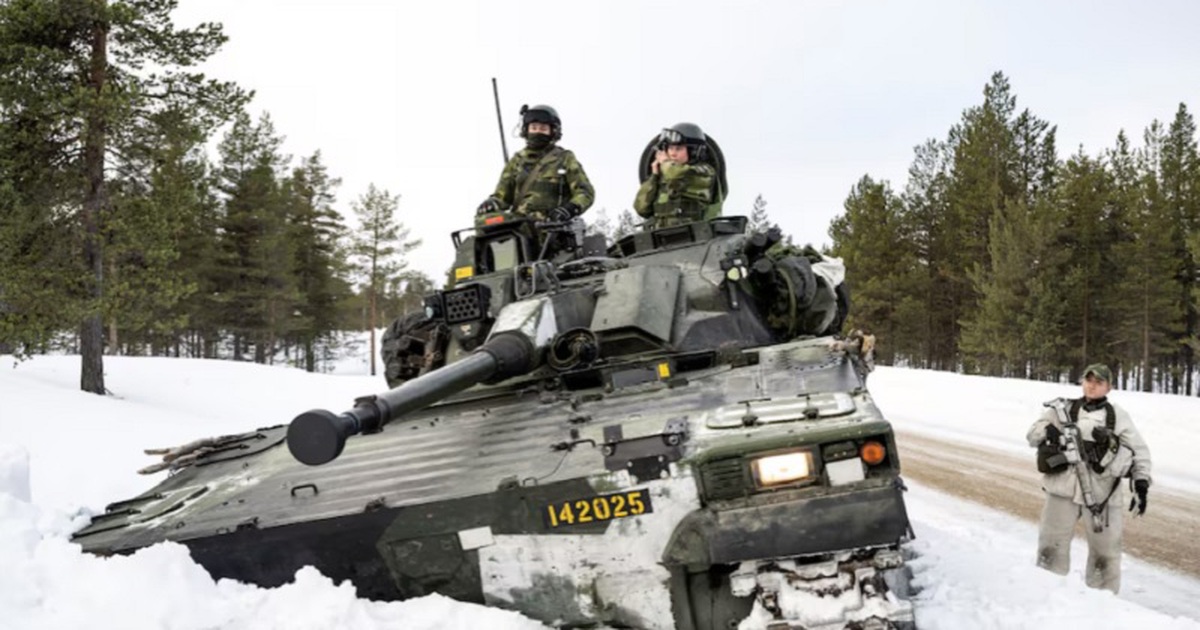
[(662, 433)]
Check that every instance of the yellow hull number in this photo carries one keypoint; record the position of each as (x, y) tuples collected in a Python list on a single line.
[(605, 507)]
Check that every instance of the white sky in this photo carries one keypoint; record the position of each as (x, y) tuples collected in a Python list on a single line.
[(804, 97), (975, 565)]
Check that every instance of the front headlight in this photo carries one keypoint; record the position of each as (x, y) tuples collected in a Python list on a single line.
[(782, 468)]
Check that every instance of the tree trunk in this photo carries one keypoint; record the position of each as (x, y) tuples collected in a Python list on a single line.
[(1147, 383), (1087, 315), (91, 332), (310, 355), (1190, 334), (372, 328), (272, 325)]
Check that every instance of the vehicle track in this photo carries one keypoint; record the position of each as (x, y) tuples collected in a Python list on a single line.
[(1012, 484)]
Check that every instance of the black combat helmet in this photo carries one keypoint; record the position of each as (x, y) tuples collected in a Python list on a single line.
[(542, 114), (687, 134)]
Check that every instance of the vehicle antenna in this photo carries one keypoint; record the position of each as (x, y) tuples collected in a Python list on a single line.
[(500, 120)]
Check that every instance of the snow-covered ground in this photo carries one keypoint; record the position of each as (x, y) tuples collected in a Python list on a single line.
[(65, 454), (996, 413)]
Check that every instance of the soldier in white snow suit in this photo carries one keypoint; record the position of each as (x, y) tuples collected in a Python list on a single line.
[(1112, 448)]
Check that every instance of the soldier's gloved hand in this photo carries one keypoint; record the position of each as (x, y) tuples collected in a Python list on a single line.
[(1140, 487), (1053, 434), (563, 213), (489, 205)]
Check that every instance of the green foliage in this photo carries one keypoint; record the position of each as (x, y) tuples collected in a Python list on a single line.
[(110, 208), (382, 240), (874, 241), (1003, 260), (1180, 185), (152, 206), (83, 86), (378, 249), (258, 292), (1150, 316), (317, 230), (1002, 164)]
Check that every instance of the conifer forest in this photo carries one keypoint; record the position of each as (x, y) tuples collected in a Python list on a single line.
[(1000, 257), (121, 232)]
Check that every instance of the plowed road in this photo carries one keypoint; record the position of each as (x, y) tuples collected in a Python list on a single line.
[(1006, 482)]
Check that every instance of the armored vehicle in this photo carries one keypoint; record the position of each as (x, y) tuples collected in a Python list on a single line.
[(667, 432)]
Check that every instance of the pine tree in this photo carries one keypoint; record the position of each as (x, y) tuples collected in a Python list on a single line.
[(1017, 328), (200, 261), (627, 223), (601, 224), (258, 290), (92, 91), (991, 337), (316, 230), (933, 240), (873, 240), (759, 221), (980, 186), (1180, 177), (379, 247), (1151, 317), (38, 265), (404, 293), (1089, 237), (154, 195)]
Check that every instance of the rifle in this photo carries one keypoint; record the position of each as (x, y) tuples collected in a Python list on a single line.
[(1070, 444)]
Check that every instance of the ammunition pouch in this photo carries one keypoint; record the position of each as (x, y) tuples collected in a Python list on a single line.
[(1050, 458), (1093, 453)]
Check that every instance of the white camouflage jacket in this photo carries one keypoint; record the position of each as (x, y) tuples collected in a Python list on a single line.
[(1133, 456)]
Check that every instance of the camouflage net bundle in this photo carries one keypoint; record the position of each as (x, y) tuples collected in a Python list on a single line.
[(803, 292)]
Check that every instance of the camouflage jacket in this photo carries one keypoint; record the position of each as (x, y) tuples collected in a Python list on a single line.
[(679, 193), (534, 182)]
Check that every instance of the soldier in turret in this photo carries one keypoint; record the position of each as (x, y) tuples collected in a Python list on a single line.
[(542, 181), (682, 186)]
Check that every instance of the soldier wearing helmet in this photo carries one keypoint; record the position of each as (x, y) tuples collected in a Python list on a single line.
[(543, 180), (682, 183)]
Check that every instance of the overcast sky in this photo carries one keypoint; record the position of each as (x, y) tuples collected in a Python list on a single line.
[(804, 97)]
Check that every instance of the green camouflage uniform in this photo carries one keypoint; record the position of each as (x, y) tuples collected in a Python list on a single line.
[(679, 193), (557, 178)]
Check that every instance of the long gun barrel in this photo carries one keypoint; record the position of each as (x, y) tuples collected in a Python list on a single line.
[(318, 436)]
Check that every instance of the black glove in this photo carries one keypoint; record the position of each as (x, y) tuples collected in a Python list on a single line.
[(563, 213), (1053, 434), (1140, 487), (489, 205)]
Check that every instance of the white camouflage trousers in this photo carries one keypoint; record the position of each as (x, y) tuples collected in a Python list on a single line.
[(1104, 547)]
